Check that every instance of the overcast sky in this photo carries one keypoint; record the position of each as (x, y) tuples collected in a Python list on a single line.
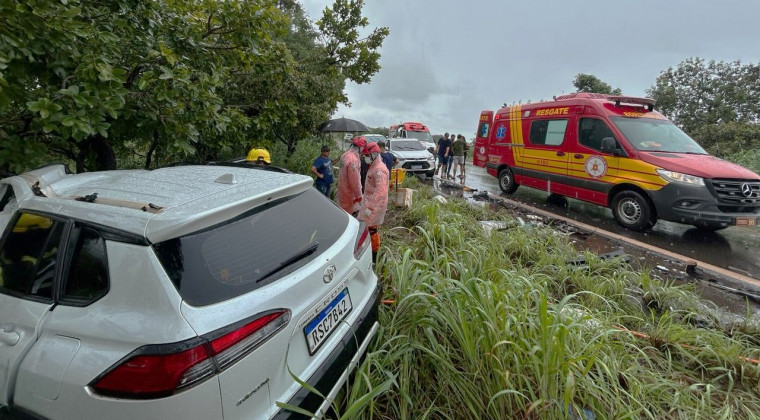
[(446, 60)]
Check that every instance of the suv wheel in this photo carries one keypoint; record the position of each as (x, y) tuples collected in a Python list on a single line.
[(507, 181), (633, 211)]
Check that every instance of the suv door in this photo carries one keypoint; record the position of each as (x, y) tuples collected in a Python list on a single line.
[(28, 263)]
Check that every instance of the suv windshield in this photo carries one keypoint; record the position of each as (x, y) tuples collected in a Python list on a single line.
[(252, 250), (400, 145), (419, 135), (654, 135)]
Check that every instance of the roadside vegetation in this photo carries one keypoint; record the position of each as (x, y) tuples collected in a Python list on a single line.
[(498, 325)]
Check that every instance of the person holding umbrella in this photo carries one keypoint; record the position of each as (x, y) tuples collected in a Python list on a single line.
[(375, 201), (349, 182)]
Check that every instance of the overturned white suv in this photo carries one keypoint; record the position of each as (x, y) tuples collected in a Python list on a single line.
[(189, 292)]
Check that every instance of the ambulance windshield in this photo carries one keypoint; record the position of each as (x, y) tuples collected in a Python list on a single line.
[(653, 135)]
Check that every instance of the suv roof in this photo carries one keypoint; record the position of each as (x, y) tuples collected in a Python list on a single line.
[(156, 204)]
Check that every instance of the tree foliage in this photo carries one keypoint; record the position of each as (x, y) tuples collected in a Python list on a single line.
[(592, 84), (385, 131), (717, 103), (150, 82)]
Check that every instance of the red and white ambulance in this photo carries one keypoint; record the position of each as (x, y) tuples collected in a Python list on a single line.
[(616, 151)]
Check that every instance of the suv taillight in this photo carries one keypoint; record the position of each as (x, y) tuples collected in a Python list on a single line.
[(362, 241), (160, 370)]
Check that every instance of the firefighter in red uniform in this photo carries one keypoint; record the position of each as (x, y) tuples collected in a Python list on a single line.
[(375, 201), (349, 180)]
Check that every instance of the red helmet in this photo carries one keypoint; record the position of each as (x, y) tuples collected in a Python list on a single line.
[(371, 148), (359, 142)]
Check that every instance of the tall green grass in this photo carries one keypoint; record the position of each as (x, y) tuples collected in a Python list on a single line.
[(499, 326)]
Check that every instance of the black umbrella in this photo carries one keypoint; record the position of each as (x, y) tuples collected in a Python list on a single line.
[(342, 125)]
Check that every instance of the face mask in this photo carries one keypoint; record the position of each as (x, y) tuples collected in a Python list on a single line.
[(368, 159)]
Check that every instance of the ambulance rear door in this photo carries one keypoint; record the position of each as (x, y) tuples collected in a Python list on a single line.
[(480, 154)]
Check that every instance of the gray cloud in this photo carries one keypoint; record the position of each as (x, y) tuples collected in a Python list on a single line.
[(446, 60)]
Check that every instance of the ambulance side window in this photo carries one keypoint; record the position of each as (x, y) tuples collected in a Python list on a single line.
[(548, 132), (591, 131)]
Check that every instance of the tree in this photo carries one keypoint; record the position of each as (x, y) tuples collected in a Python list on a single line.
[(164, 80), (385, 131), (292, 101), (592, 84), (699, 93), (357, 58), (84, 76), (717, 103)]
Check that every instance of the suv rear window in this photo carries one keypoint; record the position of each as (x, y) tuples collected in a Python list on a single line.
[(252, 250)]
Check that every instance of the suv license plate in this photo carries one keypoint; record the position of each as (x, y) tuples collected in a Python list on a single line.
[(746, 221), (327, 321), (416, 166)]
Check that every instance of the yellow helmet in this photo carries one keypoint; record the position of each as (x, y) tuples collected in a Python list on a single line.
[(29, 222), (258, 155)]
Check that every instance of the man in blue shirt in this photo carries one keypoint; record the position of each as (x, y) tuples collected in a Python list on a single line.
[(322, 168), (388, 159), (443, 150)]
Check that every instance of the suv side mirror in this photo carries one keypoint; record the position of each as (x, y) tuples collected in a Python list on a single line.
[(609, 145)]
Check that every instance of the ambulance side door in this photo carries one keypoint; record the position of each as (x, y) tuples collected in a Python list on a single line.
[(593, 168), (545, 155), (500, 147)]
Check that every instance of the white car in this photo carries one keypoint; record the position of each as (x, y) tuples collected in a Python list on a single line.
[(412, 155), (188, 292)]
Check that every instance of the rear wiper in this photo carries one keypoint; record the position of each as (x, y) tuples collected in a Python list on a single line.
[(299, 256)]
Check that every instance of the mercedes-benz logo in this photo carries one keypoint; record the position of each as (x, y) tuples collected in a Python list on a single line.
[(746, 190), (329, 274)]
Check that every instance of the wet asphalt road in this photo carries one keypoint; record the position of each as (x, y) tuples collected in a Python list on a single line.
[(735, 248)]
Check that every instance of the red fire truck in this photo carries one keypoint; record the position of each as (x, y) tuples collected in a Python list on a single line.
[(412, 145), (412, 130), (618, 152)]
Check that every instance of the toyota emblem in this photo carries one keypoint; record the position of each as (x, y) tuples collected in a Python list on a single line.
[(329, 274), (746, 190)]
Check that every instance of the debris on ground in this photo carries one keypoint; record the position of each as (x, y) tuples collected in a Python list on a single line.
[(724, 292), (490, 225), (691, 269), (619, 253)]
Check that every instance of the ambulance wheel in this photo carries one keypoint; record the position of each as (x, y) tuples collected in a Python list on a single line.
[(633, 211), (507, 181)]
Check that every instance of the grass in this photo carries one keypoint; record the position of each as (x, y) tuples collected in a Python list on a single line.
[(499, 326)]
